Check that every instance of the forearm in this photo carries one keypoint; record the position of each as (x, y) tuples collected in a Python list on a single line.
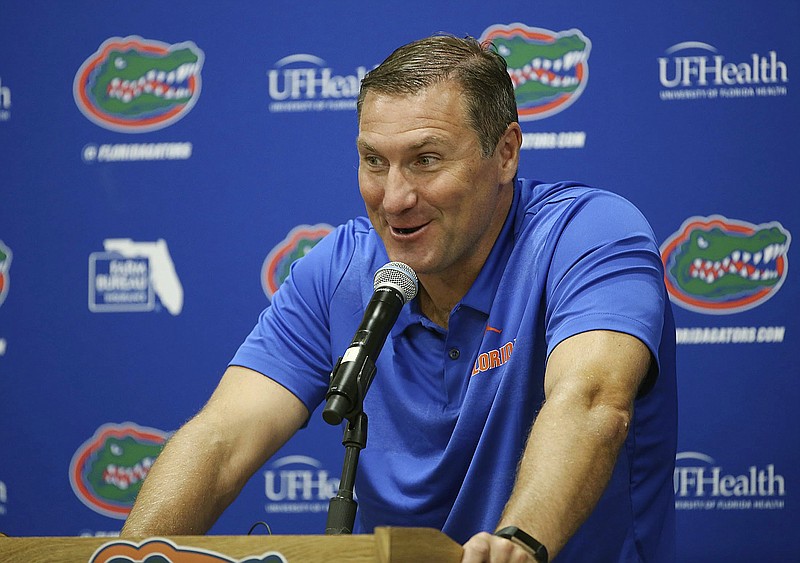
[(569, 458), (208, 461), (188, 487)]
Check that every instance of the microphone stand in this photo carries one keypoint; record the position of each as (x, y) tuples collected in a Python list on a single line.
[(346, 400), (342, 508), (395, 284)]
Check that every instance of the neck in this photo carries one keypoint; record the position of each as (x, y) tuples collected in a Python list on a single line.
[(440, 292), (436, 301)]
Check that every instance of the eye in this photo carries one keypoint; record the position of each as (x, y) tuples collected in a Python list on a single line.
[(120, 63), (702, 243), (503, 50), (427, 160), (115, 449)]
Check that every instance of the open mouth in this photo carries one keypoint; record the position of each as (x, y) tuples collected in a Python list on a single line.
[(407, 230)]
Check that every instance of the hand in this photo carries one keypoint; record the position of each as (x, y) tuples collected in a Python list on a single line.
[(487, 548)]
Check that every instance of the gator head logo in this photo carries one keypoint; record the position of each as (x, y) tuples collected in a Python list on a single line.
[(158, 550), (107, 471), (718, 266), (5, 264), (297, 243), (549, 69), (134, 85)]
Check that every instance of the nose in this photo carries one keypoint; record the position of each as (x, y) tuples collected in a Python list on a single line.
[(399, 194)]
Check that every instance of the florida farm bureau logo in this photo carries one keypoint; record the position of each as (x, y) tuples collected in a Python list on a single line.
[(129, 275), (297, 244), (5, 102), (5, 264), (718, 266), (107, 471), (549, 69), (135, 85)]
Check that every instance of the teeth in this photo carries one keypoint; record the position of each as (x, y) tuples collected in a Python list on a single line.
[(769, 252), (161, 76), (746, 257), (171, 77), (697, 263), (526, 73), (151, 75), (726, 262), (736, 255), (755, 275), (184, 71)]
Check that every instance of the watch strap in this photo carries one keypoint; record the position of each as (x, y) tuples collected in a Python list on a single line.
[(513, 533)]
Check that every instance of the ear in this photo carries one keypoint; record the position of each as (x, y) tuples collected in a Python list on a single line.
[(507, 151)]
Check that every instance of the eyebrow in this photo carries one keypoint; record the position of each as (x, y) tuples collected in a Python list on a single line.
[(425, 141)]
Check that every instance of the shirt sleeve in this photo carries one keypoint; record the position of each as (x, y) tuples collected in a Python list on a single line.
[(605, 272), (291, 341)]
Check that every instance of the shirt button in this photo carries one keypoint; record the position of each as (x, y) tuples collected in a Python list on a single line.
[(454, 353)]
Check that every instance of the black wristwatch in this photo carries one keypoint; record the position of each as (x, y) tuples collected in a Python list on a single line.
[(515, 534)]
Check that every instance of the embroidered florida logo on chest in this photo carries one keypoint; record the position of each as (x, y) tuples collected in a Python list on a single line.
[(493, 358)]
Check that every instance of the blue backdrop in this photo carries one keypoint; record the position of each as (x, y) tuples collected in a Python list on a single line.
[(163, 163)]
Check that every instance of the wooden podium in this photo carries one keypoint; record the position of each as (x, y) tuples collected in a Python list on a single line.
[(385, 545)]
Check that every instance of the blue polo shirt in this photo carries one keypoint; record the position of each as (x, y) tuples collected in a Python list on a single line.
[(450, 410)]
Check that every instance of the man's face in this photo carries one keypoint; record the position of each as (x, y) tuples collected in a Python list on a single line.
[(437, 204)]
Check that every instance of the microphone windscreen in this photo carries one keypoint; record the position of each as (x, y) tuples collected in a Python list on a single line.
[(399, 276)]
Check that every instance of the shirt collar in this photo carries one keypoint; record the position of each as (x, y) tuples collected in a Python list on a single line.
[(481, 294)]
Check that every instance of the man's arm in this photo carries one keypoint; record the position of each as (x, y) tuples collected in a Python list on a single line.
[(206, 463), (591, 382)]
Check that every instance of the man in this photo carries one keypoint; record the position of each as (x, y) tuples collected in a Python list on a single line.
[(531, 382)]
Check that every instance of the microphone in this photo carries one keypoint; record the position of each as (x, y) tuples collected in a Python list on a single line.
[(395, 285)]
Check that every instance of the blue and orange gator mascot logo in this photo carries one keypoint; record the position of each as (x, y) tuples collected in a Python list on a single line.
[(135, 85), (5, 264), (159, 550), (107, 471), (549, 69), (297, 243), (717, 266)]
